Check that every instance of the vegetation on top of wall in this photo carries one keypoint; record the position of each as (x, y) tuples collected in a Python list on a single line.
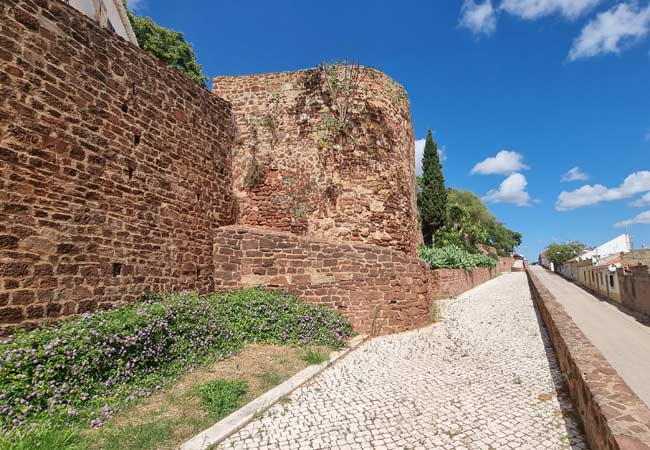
[(167, 45), (469, 223), (432, 197), (85, 370), (455, 257), (341, 81), (562, 253)]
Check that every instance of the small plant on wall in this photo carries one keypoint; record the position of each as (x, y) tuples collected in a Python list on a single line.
[(340, 83), (270, 120), (255, 170)]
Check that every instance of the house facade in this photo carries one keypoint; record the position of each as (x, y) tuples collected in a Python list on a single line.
[(110, 14)]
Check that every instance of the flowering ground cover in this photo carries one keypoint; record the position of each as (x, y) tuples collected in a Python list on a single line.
[(83, 371)]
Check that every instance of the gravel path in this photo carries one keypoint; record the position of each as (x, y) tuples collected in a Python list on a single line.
[(485, 377)]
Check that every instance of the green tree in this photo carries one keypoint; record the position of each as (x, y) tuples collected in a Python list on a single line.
[(502, 238), (562, 253), (470, 222), (168, 45), (432, 198)]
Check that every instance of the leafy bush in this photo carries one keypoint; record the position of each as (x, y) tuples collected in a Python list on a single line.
[(221, 397), (454, 257), (85, 370)]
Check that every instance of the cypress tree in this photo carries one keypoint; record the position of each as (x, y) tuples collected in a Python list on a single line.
[(432, 198)]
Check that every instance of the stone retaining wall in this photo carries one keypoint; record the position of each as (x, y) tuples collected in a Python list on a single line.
[(614, 417), (448, 283), (114, 168), (380, 290)]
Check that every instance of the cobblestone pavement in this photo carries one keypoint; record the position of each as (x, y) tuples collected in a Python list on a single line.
[(485, 377)]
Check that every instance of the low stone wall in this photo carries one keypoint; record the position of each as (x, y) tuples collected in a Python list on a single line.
[(448, 283), (380, 290), (614, 417), (505, 263), (635, 289)]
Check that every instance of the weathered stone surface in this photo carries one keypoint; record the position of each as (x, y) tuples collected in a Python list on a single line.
[(614, 418), (114, 168), (380, 290), (358, 185)]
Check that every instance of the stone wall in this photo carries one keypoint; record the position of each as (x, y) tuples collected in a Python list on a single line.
[(380, 290), (614, 418), (114, 168), (635, 288), (297, 167), (448, 283), (505, 263)]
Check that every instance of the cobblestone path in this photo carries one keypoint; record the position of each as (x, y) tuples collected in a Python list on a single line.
[(485, 377)]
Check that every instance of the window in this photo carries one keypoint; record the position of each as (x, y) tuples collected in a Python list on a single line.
[(611, 280)]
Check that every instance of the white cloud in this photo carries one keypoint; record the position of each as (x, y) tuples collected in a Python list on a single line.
[(419, 152), (505, 163), (480, 18), (643, 218), (641, 202), (574, 174), (535, 9), (611, 30), (512, 190), (635, 183), (137, 5)]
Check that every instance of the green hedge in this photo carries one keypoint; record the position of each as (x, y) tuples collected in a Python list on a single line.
[(454, 257), (87, 369)]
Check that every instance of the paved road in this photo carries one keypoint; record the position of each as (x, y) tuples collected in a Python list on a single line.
[(484, 378), (620, 338)]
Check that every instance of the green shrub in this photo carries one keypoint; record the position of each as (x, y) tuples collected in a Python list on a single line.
[(221, 397), (87, 369), (454, 257)]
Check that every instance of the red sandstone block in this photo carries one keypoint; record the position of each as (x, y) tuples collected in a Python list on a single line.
[(11, 315)]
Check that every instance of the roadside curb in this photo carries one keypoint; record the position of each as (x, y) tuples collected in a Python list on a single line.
[(228, 426)]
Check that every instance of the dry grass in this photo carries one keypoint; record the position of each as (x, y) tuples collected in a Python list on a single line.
[(179, 405)]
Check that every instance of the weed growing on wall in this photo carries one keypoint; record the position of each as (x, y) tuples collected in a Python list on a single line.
[(341, 81), (87, 369)]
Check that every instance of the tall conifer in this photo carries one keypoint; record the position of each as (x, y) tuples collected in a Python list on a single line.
[(432, 198)]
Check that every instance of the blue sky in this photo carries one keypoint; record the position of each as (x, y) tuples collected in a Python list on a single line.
[(539, 86)]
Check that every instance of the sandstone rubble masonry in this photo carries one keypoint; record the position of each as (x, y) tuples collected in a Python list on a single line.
[(117, 172), (311, 179), (380, 290), (114, 168)]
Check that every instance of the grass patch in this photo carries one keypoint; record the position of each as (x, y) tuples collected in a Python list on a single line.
[(44, 437), (181, 405), (312, 356), (221, 397), (144, 436), (272, 378)]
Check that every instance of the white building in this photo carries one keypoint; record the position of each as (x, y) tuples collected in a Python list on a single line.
[(617, 245), (110, 14)]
